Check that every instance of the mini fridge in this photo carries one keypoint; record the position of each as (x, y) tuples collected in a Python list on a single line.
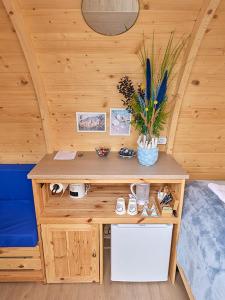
[(140, 253)]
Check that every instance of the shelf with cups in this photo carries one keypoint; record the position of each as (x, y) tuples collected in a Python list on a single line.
[(98, 206)]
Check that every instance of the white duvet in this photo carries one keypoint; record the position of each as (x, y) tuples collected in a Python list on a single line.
[(218, 189)]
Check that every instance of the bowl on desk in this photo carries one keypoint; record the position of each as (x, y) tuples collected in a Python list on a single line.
[(102, 151)]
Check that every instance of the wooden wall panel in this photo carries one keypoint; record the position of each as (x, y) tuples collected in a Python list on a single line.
[(204, 18), (21, 134), (200, 137), (80, 68), (145, 4)]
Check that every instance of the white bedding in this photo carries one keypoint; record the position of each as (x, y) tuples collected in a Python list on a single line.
[(218, 189)]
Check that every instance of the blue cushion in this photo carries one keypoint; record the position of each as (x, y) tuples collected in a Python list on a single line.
[(14, 184), (18, 227)]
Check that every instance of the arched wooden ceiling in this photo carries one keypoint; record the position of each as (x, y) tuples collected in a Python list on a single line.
[(15, 14), (21, 132), (200, 136), (204, 18), (63, 53)]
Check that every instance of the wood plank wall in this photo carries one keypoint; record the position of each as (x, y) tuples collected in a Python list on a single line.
[(21, 134), (80, 70), (200, 137)]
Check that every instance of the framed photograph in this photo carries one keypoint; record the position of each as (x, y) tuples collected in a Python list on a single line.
[(91, 122), (120, 120)]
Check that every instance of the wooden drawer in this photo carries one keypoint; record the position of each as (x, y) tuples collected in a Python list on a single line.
[(20, 258)]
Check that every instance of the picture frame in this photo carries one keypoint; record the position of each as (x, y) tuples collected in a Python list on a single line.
[(120, 122), (91, 121)]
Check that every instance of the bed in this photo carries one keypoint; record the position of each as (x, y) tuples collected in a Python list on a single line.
[(201, 245)]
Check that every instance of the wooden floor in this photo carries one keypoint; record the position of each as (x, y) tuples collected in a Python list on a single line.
[(108, 291)]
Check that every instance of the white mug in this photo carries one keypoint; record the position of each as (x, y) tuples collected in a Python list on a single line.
[(142, 192), (57, 188), (78, 190)]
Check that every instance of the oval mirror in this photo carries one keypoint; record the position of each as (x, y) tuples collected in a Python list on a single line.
[(110, 17)]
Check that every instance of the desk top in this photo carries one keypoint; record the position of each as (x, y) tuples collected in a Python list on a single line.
[(88, 166)]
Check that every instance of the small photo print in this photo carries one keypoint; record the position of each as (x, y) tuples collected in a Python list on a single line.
[(119, 121), (91, 122)]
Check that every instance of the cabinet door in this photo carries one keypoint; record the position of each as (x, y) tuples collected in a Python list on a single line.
[(71, 252)]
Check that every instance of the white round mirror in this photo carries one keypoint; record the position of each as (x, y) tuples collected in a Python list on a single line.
[(110, 17)]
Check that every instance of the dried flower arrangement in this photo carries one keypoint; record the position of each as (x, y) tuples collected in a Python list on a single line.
[(147, 104)]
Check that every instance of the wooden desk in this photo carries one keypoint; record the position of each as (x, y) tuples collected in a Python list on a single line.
[(71, 231), (87, 166)]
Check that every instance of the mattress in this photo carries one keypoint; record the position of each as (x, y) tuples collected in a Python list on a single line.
[(201, 245)]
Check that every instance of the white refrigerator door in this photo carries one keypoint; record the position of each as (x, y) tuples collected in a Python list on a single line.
[(140, 253)]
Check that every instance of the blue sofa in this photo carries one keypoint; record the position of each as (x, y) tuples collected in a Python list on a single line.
[(18, 227)]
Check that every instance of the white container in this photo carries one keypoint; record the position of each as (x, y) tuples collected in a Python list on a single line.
[(57, 188), (142, 192), (78, 190), (140, 253)]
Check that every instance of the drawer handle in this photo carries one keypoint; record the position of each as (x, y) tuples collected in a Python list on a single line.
[(94, 253)]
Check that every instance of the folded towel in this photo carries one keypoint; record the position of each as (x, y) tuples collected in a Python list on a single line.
[(219, 190)]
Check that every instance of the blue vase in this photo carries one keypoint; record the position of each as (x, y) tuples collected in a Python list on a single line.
[(147, 157)]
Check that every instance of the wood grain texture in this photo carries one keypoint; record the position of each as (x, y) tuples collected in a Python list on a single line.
[(80, 68), (88, 166), (20, 252), (176, 231), (21, 133), (186, 284), (61, 215), (108, 290), (206, 14), (200, 135), (98, 207), (21, 276), (21, 29), (101, 254), (20, 264), (71, 252)]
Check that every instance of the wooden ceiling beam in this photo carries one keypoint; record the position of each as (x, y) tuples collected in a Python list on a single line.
[(23, 34), (204, 18)]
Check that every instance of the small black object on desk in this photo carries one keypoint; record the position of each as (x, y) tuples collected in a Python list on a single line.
[(127, 153)]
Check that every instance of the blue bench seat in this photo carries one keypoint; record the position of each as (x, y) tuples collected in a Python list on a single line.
[(18, 227)]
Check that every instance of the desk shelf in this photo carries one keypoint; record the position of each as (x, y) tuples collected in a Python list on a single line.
[(97, 207)]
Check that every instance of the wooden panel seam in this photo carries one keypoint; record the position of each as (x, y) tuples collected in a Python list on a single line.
[(203, 20), (23, 35)]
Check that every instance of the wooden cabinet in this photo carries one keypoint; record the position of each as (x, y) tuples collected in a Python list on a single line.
[(72, 230), (71, 252)]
